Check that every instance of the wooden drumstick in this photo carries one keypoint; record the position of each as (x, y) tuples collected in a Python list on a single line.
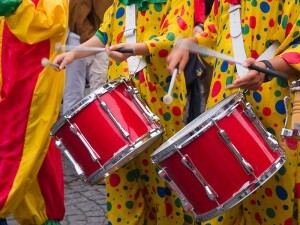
[(167, 99), (45, 62), (59, 47), (195, 48)]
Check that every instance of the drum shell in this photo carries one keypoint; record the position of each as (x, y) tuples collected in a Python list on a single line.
[(213, 159), (102, 134)]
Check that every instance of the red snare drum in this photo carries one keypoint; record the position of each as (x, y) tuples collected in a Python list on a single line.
[(219, 158), (105, 130)]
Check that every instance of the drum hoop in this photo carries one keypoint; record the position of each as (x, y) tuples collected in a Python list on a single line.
[(226, 106), (74, 110)]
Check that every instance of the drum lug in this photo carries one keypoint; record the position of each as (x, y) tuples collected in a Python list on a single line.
[(75, 129), (271, 140), (64, 150), (225, 138), (185, 203), (113, 118), (212, 195), (133, 92)]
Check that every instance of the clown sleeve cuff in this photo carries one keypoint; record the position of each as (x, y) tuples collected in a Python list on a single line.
[(8, 7)]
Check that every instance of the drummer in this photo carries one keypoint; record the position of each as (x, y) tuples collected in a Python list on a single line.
[(277, 201), (135, 193)]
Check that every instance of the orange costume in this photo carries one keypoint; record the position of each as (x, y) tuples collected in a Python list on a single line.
[(31, 176)]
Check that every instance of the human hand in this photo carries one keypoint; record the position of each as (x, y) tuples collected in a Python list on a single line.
[(63, 60), (119, 56), (197, 29), (252, 80), (178, 57)]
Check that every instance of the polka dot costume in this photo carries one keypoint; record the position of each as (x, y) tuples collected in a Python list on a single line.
[(135, 193), (263, 21)]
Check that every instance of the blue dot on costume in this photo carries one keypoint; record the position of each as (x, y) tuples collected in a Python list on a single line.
[(265, 7), (281, 193), (120, 13), (224, 66), (279, 106), (257, 96), (161, 191)]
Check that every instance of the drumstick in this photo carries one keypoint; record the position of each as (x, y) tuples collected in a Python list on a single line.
[(167, 99), (198, 49), (45, 62), (59, 47)]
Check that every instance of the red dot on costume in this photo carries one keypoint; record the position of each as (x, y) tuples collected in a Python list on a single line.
[(253, 202), (151, 86), (182, 11), (267, 111), (228, 36), (271, 23), (145, 162), (163, 53), (297, 190), (177, 122), (268, 192), (119, 206), (291, 143), (114, 180), (204, 34), (254, 54), (181, 23), (160, 111), (289, 221), (140, 204), (176, 11), (151, 217), (176, 111), (275, 124), (142, 29), (169, 209), (258, 219), (252, 23), (153, 99), (216, 89), (260, 89), (143, 13), (125, 70), (152, 45)]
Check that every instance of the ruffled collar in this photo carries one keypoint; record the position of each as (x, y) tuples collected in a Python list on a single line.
[(141, 5)]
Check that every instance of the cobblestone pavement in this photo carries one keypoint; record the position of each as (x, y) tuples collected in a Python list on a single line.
[(85, 204)]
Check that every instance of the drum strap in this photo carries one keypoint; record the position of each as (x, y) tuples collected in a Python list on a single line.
[(135, 63), (238, 43)]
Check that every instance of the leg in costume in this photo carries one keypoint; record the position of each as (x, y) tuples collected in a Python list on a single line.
[(137, 196)]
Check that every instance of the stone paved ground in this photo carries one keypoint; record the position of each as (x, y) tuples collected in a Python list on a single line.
[(85, 204)]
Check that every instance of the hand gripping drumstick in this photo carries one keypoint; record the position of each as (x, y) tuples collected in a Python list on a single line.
[(167, 99), (45, 62), (59, 47), (195, 48)]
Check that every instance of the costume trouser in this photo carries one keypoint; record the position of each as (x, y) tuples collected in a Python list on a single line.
[(92, 68), (136, 195)]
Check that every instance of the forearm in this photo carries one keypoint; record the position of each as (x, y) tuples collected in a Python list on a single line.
[(84, 52), (282, 66)]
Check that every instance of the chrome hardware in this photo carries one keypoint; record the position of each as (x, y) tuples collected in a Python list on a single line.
[(225, 138), (112, 117), (185, 203), (133, 92), (270, 138), (212, 195), (63, 149), (75, 129)]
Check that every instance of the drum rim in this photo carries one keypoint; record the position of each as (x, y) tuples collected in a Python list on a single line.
[(168, 148), (74, 110)]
